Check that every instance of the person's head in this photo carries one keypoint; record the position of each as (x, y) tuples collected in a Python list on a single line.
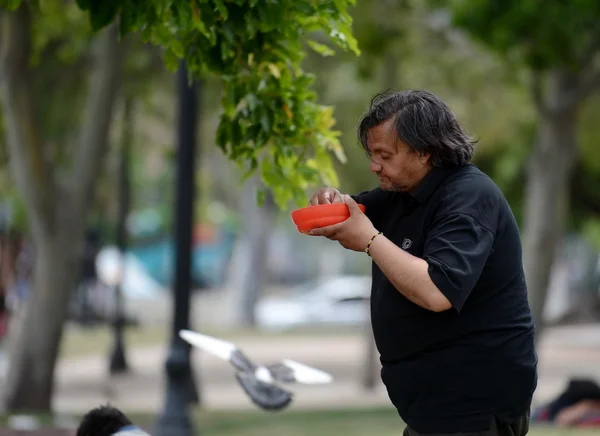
[(408, 133), (107, 421)]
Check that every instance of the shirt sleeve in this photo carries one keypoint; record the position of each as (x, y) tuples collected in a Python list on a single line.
[(457, 248)]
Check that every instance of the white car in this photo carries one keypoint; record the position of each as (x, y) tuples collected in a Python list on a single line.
[(338, 300)]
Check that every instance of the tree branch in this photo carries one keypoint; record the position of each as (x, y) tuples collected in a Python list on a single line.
[(30, 168), (591, 51), (537, 91), (94, 134), (590, 75), (589, 83)]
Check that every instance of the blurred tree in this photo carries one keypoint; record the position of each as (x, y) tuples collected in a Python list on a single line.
[(585, 195), (559, 43), (143, 73), (55, 156), (251, 251)]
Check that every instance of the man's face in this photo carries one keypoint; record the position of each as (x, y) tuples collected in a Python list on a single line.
[(398, 166)]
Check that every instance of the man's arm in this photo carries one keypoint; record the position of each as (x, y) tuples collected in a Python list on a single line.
[(409, 275), (455, 253)]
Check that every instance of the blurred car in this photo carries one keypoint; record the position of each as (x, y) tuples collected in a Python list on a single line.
[(338, 300)]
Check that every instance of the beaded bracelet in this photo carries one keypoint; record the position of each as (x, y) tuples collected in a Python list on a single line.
[(370, 242)]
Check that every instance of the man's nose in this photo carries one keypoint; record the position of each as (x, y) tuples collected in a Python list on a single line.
[(375, 167)]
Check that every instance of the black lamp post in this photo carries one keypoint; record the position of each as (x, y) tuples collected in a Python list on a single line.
[(118, 360), (174, 420)]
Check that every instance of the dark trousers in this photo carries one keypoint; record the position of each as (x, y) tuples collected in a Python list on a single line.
[(520, 427)]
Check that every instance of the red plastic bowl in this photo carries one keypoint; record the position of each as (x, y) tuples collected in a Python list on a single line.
[(322, 215)]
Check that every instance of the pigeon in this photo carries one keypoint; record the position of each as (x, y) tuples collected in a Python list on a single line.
[(262, 383)]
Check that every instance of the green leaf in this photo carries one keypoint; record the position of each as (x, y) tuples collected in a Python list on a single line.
[(127, 20), (261, 196), (322, 49), (11, 5), (102, 13), (171, 59), (84, 5)]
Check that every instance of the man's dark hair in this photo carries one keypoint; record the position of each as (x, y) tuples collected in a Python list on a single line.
[(102, 421), (422, 121)]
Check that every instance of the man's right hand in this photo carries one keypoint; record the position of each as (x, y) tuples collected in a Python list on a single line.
[(326, 196)]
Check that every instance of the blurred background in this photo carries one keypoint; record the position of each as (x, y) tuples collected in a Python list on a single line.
[(149, 218)]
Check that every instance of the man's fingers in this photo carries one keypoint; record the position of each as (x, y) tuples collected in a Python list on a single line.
[(321, 231), (326, 196), (337, 197), (333, 196), (352, 205), (328, 231)]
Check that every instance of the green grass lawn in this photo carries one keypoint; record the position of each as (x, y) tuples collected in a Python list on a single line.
[(362, 422), (345, 422)]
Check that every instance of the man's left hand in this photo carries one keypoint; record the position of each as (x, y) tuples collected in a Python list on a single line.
[(354, 233)]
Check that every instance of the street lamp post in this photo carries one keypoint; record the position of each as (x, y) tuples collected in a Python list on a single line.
[(118, 360), (174, 420)]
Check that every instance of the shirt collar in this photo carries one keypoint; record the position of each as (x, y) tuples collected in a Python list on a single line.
[(430, 183)]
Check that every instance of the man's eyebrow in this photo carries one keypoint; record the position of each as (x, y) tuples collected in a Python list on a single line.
[(380, 149)]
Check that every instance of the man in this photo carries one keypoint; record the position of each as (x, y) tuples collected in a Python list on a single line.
[(449, 304), (107, 421)]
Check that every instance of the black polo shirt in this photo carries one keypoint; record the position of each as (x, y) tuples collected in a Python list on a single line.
[(455, 370)]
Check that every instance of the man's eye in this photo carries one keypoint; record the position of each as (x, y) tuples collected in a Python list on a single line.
[(386, 157)]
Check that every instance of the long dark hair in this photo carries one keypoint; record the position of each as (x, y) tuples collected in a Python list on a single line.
[(422, 121)]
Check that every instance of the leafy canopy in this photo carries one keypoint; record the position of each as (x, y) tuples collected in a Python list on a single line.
[(271, 121), (543, 33)]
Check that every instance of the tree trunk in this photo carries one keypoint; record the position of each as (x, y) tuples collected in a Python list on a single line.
[(547, 200), (248, 266), (257, 229), (56, 208), (35, 342)]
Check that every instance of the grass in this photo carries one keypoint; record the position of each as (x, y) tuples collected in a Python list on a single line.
[(87, 341), (346, 422)]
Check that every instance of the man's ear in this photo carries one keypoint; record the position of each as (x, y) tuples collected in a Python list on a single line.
[(424, 158)]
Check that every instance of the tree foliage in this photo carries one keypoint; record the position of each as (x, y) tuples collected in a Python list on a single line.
[(271, 121), (539, 32), (562, 37)]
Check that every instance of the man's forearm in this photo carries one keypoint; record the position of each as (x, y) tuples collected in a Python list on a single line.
[(408, 274)]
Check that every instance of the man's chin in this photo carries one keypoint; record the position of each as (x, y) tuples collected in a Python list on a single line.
[(386, 186)]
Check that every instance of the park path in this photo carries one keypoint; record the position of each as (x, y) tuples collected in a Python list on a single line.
[(82, 383)]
